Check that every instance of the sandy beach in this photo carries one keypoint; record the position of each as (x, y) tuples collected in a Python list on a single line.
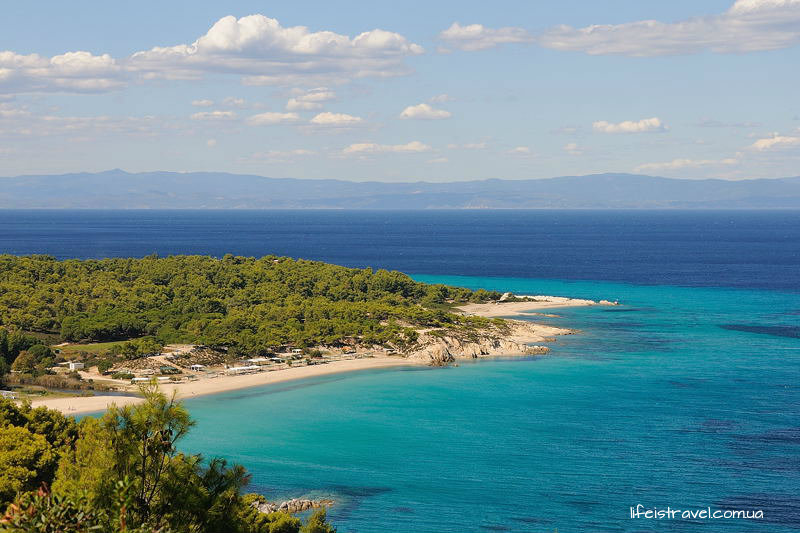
[(201, 387), (507, 309), (522, 334)]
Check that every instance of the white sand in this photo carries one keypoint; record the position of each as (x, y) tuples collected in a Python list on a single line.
[(201, 387), (503, 309)]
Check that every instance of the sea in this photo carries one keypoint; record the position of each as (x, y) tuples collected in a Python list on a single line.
[(684, 398)]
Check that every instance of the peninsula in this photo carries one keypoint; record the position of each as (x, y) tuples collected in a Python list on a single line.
[(200, 325)]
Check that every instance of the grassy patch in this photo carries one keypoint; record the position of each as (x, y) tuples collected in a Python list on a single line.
[(96, 348)]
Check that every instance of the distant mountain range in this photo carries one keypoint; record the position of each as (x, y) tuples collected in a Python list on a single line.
[(117, 189)]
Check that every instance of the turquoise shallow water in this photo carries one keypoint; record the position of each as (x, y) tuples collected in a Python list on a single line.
[(687, 397)]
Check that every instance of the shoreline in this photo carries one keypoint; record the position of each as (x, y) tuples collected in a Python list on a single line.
[(538, 303), (437, 352), (91, 404)]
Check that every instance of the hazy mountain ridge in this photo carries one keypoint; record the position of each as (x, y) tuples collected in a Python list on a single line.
[(117, 189)]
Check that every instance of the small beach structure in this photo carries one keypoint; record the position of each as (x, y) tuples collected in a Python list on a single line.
[(258, 361), (75, 365), (8, 395), (236, 370), (197, 368), (134, 381)]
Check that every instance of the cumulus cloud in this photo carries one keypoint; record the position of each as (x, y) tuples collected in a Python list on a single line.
[(645, 125), (310, 100), (677, 164), (202, 103), (424, 112), (335, 119), (775, 142), (373, 148), (478, 37), (748, 26), (214, 115), (271, 117), (573, 149), (438, 160), (255, 47), (80, 72), (266, 53), (211, 143)]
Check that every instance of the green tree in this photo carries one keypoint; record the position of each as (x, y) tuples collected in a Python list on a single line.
[(25, 363), (24, 458), (284, 523), (44, 512), (104, 366), (137, 444), (318, 523)]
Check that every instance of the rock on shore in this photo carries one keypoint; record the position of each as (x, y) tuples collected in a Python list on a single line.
[(295, 505), (514, 338)]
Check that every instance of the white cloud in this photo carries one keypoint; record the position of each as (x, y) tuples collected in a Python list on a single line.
[(211, 143), (9, 111), (629, 126), (202, 103), (424, 112), (282, 155), (469, 146), (373, 148), (711, 123), (266, 53), (297, 105), (310, 100), (255, 47), (271, 117), (214, 115), (519, 150), (565, 130), (441, 99), (748, 26), (335, 119), (573, 149), (677, 164), (775, 142), (438, 160), (478, 37), (234, 102), (80, 72), (21, 123)]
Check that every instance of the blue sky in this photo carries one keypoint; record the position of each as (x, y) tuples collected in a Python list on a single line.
[(435, 91)]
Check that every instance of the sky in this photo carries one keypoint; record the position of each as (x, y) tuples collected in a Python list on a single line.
[(389, 91)]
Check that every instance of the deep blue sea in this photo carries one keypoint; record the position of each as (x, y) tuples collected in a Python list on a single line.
[(687, 395)]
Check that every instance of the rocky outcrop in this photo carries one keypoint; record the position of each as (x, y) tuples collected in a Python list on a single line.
[(295, 505), (514, 337)]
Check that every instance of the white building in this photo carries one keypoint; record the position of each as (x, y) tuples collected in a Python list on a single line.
[(242, 369), (74, 365)]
